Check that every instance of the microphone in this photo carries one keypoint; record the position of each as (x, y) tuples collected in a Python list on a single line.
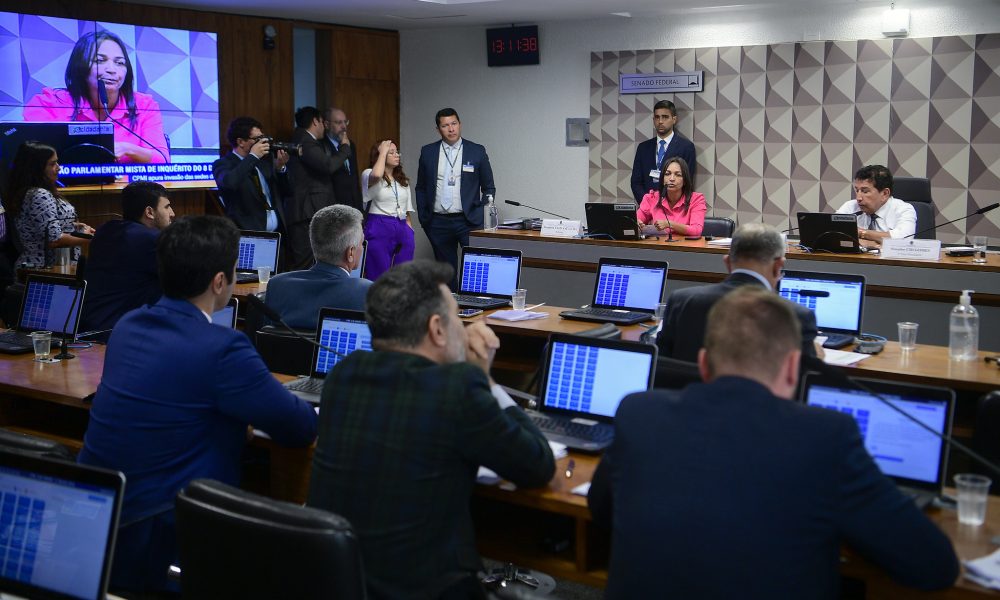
[(981, 211), (102, 95), (513, 203), (81, 266), (816, 364), (273, 315)]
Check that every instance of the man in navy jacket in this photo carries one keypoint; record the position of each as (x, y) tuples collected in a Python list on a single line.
[(649, 155)]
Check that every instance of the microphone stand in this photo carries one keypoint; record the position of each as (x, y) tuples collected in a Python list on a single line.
[(64, 353), (102, 93), (273, 315), (513, 203), (981, 211)]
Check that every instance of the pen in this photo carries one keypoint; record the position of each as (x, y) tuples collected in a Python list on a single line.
[(569, 468), (535, 306)]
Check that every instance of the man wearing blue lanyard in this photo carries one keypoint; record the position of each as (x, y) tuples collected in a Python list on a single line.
[(452, 178)]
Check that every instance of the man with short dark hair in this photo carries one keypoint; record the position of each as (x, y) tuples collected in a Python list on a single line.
[(756, 258), (121, 266), (403, 429), (882, 216), (252, 180), (650, 154), (732, 470), (312, 182), (177, 396), (336, 235), (453, 177)]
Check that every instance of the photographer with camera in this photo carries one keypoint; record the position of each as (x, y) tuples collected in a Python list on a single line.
[(253, 179), (312, 182)]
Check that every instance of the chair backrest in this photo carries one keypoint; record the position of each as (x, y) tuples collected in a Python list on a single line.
[(675, 374), (916, 191), (236, 544), (33, 445), (283, 352), (719, 227), (986, 435)]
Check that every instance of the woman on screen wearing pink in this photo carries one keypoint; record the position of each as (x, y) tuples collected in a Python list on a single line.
[(101, 56), (683, 212), (43, 220)]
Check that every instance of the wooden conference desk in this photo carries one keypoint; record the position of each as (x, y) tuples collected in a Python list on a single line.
[(560, 271)]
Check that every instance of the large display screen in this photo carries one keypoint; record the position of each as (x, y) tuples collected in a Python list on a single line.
[(161, 92)]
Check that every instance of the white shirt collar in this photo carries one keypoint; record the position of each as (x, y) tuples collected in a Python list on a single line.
[(755, 275), (666, 139), (457, 144)]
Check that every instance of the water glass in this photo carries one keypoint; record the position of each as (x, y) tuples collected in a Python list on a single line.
[(907, 335), (42, 341), (972, 497), (660, 312), (263, 274), (979, 244), (518, 299)]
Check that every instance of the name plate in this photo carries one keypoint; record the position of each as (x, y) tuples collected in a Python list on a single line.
[(911, 249), (661, 83), (560, 228)]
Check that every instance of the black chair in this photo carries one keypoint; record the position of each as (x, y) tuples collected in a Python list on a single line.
[(722, 227), (236, 544), (33, 445), (916, 191), (986, 436), (674, 374), (283, 352)]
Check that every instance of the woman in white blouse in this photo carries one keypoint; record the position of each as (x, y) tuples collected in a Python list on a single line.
[(388, 203)]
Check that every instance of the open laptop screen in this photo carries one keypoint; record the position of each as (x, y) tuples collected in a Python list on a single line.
[(342, 330), (902, 449), (487, 271), (836, 300), (47, 302), (588, 377), (226, 316), (627, 285), (258, 249), (59, 521)]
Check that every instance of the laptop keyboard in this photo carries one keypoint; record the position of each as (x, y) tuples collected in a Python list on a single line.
[(15, 338), (477, 300), (611, 314), (247, 278), (309, 385), (595, 433)]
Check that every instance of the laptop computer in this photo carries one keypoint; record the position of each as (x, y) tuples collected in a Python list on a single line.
[(488, 277), (226, 316), (257, 249), (359, 271), (909, 455), (829, 232), (77, 143), (615, 220), (59, 521), (584, 380), (626, 292), (836, 300), (46, 303), (342, 330)]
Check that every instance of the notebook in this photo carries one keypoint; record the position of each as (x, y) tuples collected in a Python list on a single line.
[(342, 330), (836, 300), (226, 316), (359, 271), (828, 232), (257, 249), (584, 380), (488, 277), (614, 220), (59, 521), (909, 455), (626, 292), (46, 303)]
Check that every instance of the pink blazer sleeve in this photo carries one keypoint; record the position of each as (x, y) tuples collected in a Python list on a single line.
[(696, 214), (49, 105), (645, 212)]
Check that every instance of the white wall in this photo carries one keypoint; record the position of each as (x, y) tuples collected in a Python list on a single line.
[(519, 113)]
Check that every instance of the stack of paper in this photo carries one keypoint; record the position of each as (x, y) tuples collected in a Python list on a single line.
[(719, 242), (985, 570), (517, 315), (842, 358)]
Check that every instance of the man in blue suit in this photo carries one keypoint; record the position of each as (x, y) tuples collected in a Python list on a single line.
[(335, 234), (177, 396), (649, 155), (728, 489), (452, 177)]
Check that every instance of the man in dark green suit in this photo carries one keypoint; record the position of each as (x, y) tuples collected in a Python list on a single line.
[(403, 430)]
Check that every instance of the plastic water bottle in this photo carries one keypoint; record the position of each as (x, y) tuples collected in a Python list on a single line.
[(963, 330), (492, 216)]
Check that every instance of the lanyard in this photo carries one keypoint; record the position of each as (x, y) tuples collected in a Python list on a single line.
[(451, 161)]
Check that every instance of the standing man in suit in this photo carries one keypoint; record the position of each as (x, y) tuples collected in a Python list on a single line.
[(756, 258), (728, 489), (346, 184), (166, 416), (312, 182), (452, 177), (649, 155), (253, 181)]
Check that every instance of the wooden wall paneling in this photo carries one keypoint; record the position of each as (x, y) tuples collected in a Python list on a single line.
[(373, 107), (366, 54)]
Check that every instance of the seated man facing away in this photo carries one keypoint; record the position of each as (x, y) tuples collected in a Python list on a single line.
[(403, 429), (730, 490), (177, 395), (121, 265), (756, 258), (335, 234), (882, 216)]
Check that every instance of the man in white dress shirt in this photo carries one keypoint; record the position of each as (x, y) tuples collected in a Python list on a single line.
[(882, 216)]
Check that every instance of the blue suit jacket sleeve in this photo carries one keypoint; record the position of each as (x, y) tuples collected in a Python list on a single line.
[(641, 166), (476, 183), (426, 183)]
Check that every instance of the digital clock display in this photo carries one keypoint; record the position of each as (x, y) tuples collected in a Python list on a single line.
[(511, 46)]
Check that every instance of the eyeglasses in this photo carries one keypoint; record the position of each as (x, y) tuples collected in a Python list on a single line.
[(342, 122)]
